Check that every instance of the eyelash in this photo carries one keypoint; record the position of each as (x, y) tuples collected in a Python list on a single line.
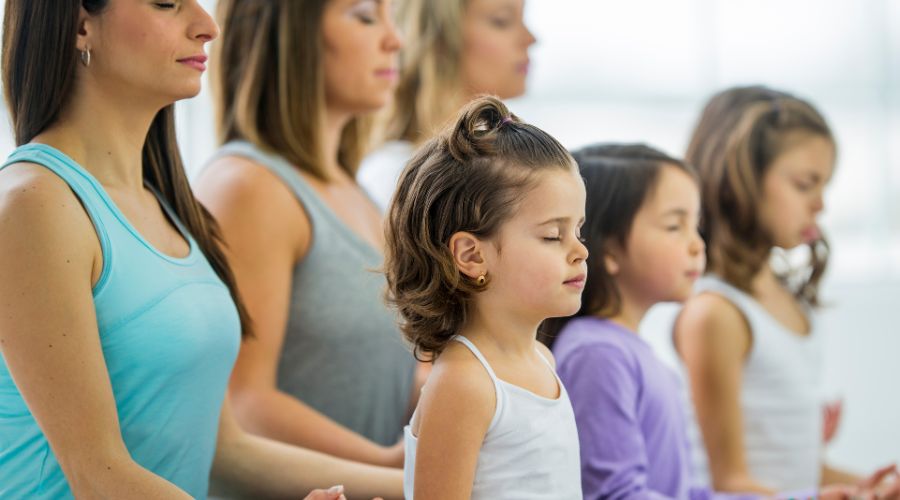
[(166, 5)]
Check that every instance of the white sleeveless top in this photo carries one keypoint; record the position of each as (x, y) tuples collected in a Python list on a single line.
[(530, 450), (781, 398)]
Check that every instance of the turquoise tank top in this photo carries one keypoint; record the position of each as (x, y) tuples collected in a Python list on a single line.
[(170, 334)]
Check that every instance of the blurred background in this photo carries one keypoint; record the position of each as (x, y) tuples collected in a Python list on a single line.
[(640, 70)]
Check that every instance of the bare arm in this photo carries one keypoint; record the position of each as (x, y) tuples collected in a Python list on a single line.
[(256, 467), (49, 340), (713, 339), (453, 417), (267, 233)]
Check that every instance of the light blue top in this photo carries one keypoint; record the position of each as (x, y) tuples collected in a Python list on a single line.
[(170, 333)]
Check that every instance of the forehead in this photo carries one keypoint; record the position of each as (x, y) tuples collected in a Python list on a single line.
[(674, 189), (805, 153), (554, 193)]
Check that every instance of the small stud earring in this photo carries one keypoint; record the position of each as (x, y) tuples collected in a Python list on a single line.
[(481, 280)]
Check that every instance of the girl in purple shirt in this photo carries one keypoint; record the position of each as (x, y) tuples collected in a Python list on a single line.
[(641, 230)]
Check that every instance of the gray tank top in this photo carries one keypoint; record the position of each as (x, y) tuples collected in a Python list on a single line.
[(343, 353)]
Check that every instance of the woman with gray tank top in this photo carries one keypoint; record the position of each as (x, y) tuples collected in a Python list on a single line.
[(328, 369)]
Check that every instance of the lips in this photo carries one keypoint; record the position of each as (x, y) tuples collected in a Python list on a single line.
[(811, 234), (197, 62), (577, 281)]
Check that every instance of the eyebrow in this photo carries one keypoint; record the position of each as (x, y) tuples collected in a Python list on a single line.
[(675, 211), (560, 220)]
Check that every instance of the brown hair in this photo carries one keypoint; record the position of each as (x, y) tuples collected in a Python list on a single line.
[(430, 81), (740, 133), (618, 178), (268, 83), (39, 64), (471, 178)]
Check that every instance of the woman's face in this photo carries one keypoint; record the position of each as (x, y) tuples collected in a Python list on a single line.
[(494, 58), (148, 50), (360, 57)]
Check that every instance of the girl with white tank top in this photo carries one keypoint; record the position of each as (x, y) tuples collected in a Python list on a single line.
[(498, 253), (748, 336)]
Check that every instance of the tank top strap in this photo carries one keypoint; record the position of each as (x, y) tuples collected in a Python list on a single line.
[(82, 183), (283, 170), (487, 366)]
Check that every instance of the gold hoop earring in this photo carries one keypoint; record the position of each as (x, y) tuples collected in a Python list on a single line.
[(481, 280), (86, 57)]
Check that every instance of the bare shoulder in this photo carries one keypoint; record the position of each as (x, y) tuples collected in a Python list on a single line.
[(459, 380), (40, 211), (710, 321), (249, 200)]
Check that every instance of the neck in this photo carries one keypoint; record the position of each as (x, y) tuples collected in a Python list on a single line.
[(506, 331), (632, 310), (104, 133), (765, 279), (331, 142)]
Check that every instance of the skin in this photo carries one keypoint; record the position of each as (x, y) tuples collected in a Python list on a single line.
[(259, 216), (48, 328), (539, 274), (664, 253), (494, 58), (713, 337)]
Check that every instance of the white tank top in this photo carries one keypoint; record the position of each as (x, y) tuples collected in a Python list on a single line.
[(781, 398), (530, 451)]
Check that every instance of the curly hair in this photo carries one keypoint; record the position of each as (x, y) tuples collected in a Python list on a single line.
[(471, 177), (740, 133), (618, 178)]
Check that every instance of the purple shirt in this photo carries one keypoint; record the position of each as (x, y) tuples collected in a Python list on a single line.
[(630, 416)]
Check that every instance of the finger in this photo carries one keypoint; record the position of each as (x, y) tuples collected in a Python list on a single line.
[(879, 475)]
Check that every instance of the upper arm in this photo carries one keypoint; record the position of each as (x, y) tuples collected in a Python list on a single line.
[(265, 233), (713, 338), (48, 328), (454, 414), (604, 386)]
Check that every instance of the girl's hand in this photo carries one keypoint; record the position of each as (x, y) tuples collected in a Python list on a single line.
[(883, 484), (832, 413), (333, 493)]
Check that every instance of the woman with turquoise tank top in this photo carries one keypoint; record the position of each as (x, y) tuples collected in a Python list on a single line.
[(119, 317), (293, 82)]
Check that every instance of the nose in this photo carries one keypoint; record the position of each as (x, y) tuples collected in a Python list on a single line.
[(529, 37), (393, 41), (696, 246), (203, 27), (580, 252), (818, 203)]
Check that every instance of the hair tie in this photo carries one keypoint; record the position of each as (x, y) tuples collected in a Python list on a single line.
[(506, 120)]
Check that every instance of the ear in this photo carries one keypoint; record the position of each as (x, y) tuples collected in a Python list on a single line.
[(86, 26), (467, 249), (612, 266)]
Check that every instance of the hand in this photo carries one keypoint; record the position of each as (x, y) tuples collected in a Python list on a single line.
[(832, 413), (883, 484), (333, 493)]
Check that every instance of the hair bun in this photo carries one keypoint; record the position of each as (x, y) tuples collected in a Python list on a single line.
[(475, 132)]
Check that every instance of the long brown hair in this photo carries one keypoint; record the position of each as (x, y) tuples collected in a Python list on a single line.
[(268, 83), (430, 82), (471, 178), (740, 133), (39, 58)]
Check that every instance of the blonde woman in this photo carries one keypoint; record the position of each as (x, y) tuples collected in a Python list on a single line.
[(328, 369), (453, 50)]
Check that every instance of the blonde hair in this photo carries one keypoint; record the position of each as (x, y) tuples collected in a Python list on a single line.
[(268, 83), (430, 82), (471, 177), (740, 133)]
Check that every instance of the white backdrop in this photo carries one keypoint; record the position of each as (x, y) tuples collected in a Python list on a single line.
[(640, 70)]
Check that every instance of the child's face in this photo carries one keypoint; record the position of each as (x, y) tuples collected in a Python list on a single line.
[(792, 190), (537, 262), (665, 253)]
